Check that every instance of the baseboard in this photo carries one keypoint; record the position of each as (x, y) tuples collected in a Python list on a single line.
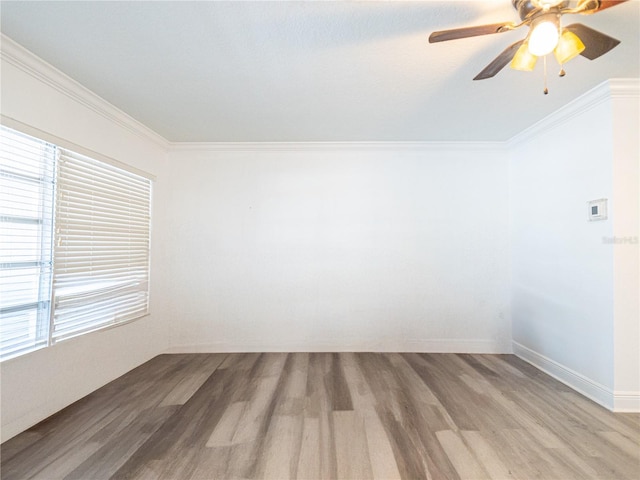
[(28, 420), (628, 402), (423, 346), (580, 383)]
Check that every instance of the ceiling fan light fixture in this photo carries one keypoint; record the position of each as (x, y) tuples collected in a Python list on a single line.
[(569, 46), (524, 60), (547, 4), (543, 18), (543, 38)]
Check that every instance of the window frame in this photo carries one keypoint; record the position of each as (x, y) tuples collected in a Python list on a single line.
[(63, 145), (41, 160)]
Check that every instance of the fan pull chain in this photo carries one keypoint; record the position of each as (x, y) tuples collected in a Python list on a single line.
[(562, 73), (546, 90)]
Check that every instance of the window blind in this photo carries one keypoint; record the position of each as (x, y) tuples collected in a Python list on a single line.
[(26, 218), (101, 268)]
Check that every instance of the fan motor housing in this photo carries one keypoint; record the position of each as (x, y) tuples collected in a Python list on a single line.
[(528, 8)]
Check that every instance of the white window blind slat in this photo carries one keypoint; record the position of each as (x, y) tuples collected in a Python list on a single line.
[(110, 183), (83, 217), (115, 171), (115, 260), (114, 183), (102, 307), (101, 271), (26, 229), (112, 250), (111, 187), (101, 303), (94, 323), (68, 285)]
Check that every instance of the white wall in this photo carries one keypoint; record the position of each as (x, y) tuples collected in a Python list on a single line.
[(37, 385), (570, 285), (626, 217), (337, 248)]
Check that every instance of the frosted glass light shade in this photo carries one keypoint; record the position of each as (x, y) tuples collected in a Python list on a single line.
[(547, 3), (543, 39), (569, 46), (523, 59)]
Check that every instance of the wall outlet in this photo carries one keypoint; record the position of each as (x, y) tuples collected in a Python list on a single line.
[(597, 210)]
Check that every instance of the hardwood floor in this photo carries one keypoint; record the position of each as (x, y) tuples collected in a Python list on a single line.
[(330, 415)]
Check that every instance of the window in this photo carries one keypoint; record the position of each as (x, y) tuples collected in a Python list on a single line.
[(74, 244), (26, 218), (101, 267)]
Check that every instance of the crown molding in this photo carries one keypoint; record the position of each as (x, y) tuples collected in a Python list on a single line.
[(612, 88), (21, 58), (625, 87), (18, 56), (332, 146)]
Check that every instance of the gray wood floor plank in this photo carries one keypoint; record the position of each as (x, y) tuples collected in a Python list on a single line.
[(487, 456), (281, 451), (318, 405), (463, 460), (329, 416), (310, 450), (352, 450)]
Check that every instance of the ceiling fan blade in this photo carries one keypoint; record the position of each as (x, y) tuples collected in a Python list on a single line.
[(499, 62), (453, 34), (609, 3), (593, 6), (595, 42)]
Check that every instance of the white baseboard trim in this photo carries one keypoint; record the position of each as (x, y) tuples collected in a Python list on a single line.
[(580, 383), (28, 420), (627, 402), (421, 346)]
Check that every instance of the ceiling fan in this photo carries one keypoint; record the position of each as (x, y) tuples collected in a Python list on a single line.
[(546, 35)]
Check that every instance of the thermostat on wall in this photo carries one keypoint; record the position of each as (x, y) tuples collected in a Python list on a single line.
[(597, 209)]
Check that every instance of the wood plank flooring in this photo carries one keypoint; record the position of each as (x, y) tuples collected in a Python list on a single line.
[(330, 415)]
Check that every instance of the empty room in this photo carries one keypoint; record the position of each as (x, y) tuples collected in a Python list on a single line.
[(320, 239)]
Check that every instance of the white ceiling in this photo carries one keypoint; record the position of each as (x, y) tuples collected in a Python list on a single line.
[(310, 71)]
